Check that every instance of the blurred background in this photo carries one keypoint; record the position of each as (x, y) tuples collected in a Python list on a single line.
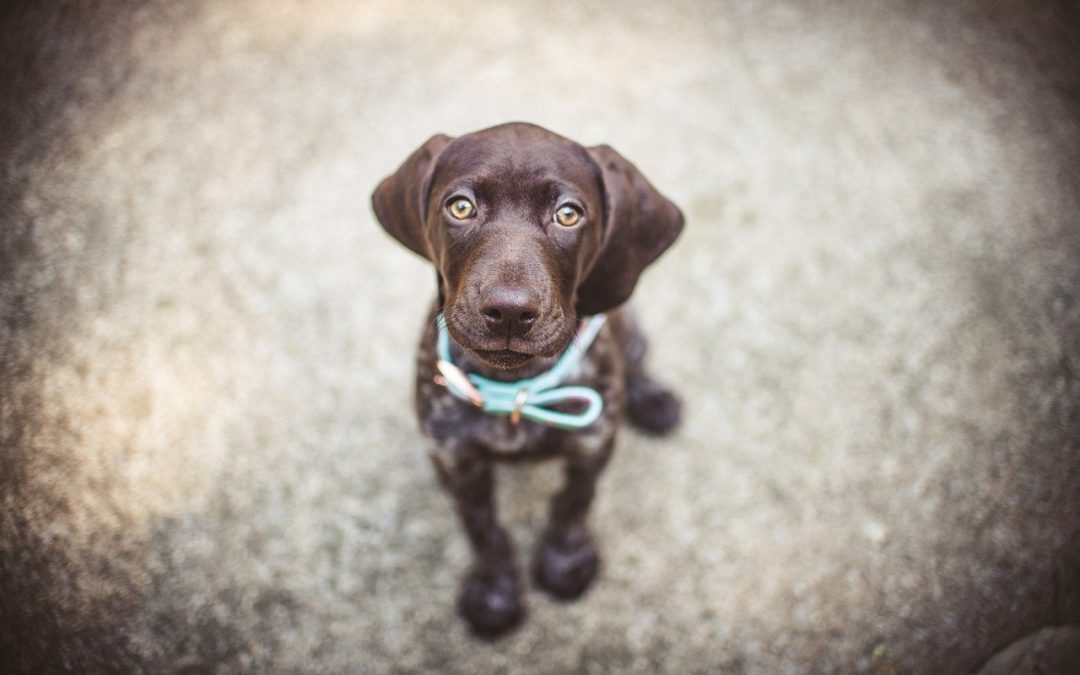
[(209, 458)]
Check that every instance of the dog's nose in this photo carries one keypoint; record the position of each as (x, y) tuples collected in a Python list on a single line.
[(510, 310)]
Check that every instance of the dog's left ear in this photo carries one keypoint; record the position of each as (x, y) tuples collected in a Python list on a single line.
[(640, 224), (399, 199)]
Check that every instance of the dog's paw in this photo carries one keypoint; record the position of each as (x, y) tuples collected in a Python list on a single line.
[(650, 406), (565, 566), (490, 602)]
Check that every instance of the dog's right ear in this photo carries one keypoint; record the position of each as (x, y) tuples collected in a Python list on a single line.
[(400, 201)]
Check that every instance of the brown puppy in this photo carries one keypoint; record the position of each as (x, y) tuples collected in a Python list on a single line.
[(529, 232)]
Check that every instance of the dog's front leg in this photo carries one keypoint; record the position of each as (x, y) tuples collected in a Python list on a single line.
[(490, 597), (566, 560)]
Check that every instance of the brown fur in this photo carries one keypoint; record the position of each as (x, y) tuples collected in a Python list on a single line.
[(508, 261)]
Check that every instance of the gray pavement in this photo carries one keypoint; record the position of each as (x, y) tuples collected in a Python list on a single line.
[(210, 461)]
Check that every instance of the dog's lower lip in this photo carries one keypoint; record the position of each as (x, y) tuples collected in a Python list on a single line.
[(504, 356)]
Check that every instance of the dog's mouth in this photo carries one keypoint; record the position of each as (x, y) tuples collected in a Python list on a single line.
[(505, 359)]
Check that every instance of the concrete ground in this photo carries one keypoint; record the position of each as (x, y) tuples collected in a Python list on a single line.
[(209, 458)]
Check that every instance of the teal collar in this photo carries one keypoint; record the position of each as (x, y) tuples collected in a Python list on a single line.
[(527, 397)]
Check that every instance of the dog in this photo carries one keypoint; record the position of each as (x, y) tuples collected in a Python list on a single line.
[(530, 350)]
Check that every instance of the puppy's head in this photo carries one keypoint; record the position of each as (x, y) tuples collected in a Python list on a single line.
[(528, 232)]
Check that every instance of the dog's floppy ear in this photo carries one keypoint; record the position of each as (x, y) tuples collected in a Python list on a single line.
[(640, 224), (399, 201)]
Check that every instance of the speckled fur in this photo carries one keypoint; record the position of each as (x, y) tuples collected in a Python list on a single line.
[(466, 442)]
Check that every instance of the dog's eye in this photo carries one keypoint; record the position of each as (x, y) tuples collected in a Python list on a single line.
[(462, 208), (567, 215)]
